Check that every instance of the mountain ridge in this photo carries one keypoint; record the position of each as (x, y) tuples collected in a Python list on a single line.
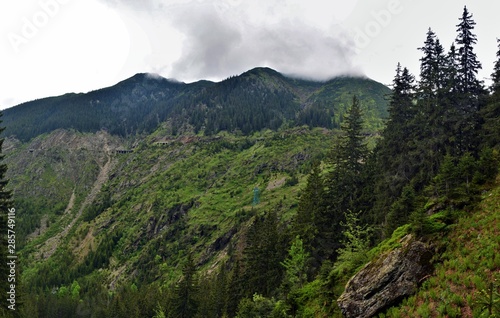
[(119, 185), (254, 100)]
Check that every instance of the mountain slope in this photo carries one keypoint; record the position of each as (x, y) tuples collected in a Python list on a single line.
[(466, 278), (117, 187), (128, 107), (258, 99), (186, 195)]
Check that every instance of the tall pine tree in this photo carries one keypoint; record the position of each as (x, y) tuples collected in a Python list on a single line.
[(428, 132), (263, 254), (185, 303), (491, 113), (469, 64), (470, 88), (428, 69), (394, 163), (310, 218), (344, 182)]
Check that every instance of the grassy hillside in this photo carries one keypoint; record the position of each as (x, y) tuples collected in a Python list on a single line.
[(466, 281), (121, 187), (166, 199)]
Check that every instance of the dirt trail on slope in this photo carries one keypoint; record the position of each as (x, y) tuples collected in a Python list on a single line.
[(52, 243)]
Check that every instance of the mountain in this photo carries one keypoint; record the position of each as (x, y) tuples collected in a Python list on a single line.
[(121, 186), (126, 108), (154, 198), (258, 99), (259, 196)]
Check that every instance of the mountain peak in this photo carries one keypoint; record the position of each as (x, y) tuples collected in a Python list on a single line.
[(262, 71), (150, 77), (258, 99)]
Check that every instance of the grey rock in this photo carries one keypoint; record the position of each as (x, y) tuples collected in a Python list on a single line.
[(387, 280)]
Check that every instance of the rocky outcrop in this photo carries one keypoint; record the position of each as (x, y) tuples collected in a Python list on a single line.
[(387, 280)]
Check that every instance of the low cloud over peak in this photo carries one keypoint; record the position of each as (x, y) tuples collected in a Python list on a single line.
[(223, 38)]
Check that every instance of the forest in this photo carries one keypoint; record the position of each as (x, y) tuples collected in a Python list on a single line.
[(437, 154), (253, 101)]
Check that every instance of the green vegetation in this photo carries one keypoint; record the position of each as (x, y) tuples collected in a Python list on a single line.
[(466, 280), (174, 228), (256, 100)]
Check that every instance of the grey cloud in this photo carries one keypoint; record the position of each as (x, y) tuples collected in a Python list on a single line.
[(217, 46), (209, 46), (143, 5), (222, 38)]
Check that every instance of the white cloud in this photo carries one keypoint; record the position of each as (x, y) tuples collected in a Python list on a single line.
[(85, 45), (223, 38), (82, 46)]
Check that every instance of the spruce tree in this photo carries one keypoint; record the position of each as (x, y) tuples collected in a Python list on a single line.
[(348, 157), (295, 266), (344, 182), (185, 303), (355, 245), (428, 124), (449, 97), (428, 68), (263, 254), (353, 151), (400, 210), (491, 113), (310, 218), (393, 165), (470, 88), (469, 64), (235, 289), (495, 76), (451, 64)]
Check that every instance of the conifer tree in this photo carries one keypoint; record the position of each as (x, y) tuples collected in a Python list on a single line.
[(428, 131), (428, 68), (343, 184), (451, 70), (393, 164), (470, 88), (185, 304), (401, 210), (432, 83), (468, 62), (263, 254), (355, 244), (348, 158), (310, 217), (353, 151), (491, 113), (295, 266), (448, 99), (495, 76), (235, 289)]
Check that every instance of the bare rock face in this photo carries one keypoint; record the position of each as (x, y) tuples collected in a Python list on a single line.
[(387, 280)]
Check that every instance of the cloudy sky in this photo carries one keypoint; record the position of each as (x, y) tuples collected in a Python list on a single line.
[(51, 47)]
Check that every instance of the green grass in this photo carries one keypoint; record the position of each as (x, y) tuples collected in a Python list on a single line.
[(391, 243), (464, 272), (171, 200)]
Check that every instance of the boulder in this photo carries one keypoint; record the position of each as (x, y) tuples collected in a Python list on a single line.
[(387, 280)]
